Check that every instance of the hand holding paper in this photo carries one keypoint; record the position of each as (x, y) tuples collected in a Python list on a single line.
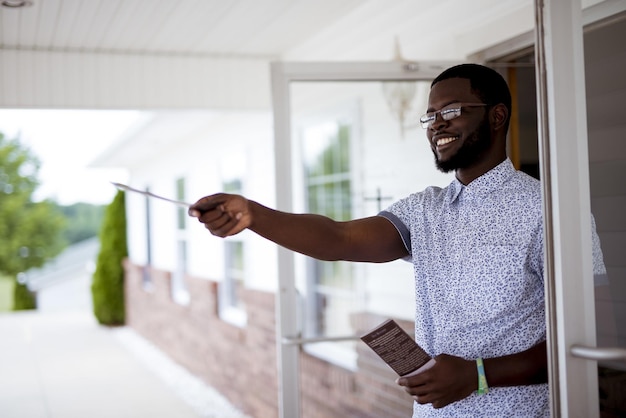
[(223, 214)]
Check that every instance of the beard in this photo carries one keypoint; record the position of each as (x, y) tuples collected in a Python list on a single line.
[(470, 152)]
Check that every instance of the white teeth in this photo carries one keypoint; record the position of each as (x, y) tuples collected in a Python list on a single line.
[(443, 141)]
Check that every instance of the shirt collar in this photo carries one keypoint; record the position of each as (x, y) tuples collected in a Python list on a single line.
[(484, 184)]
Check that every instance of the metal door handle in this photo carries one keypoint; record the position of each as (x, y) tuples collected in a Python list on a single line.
[(595, 353), (313, 340)]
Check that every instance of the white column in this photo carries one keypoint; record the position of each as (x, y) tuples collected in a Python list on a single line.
[(565, 179)]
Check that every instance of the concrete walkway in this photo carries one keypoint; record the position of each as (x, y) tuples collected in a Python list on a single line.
[(65, 365)]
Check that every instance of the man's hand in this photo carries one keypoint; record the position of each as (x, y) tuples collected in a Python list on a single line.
[(222, 214), (453, 378), (449, 380)]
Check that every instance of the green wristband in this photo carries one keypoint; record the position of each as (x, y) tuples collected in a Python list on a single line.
[(482, 379)]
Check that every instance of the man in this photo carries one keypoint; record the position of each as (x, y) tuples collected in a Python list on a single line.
[(476, 246)]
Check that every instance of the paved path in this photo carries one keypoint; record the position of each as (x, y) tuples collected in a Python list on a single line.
[(65, 365)]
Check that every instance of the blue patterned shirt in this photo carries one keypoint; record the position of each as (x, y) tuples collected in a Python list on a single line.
[(477, 253)]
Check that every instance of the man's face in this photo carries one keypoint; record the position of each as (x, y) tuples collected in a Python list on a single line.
[(460, 142)]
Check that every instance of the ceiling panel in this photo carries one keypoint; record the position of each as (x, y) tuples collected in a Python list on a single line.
[(64, 22), (44, 28), (185, 24)]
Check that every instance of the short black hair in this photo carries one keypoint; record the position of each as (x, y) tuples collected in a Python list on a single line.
[(485, 82)]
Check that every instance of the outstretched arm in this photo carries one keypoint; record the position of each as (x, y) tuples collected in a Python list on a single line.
[(372, 239), (453, 378)]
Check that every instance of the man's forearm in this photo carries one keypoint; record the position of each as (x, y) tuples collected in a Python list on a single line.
[(372, 239), (309, 234), (524, 368)]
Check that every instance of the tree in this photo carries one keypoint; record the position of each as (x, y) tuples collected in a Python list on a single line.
[(107, 287), (31, 231), (84, 221)]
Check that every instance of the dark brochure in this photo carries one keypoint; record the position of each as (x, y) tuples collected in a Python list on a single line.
[(398, 349)]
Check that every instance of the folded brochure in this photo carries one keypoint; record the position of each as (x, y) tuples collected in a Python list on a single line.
[(398, 349)]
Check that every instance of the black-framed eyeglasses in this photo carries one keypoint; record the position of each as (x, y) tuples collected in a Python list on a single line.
[(447, 113)]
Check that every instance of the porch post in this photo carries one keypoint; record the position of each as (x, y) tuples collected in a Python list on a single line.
[(565, 182), (286, 297)]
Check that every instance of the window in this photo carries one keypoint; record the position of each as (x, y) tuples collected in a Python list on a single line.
[(330, 286), (179, 290), (146, 278), (181, 212), (231, 306)]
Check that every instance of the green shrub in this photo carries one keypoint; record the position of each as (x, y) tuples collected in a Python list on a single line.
[(107, 288), (23, 299)]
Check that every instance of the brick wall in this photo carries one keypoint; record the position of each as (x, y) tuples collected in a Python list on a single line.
[(241, 362)]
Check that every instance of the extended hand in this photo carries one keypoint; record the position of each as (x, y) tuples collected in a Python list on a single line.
[(449, 380), (222, 214)]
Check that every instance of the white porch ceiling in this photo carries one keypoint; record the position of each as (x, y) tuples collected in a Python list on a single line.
[(214, 54), (233, 28), (152, 54)]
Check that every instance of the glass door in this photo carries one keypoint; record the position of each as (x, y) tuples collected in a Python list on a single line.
[(605, 89), (331, 121)]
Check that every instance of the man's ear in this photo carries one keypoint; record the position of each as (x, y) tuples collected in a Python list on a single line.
[(499, 116)]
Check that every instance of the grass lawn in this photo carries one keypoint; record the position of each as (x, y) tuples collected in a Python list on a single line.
[(6, 294)]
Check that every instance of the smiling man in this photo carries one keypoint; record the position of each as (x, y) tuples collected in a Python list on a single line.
[(476, 247)]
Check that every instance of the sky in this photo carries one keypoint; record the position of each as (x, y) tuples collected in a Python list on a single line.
[(66, 142)]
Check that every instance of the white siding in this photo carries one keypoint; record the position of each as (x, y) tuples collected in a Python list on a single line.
[(44, 79)]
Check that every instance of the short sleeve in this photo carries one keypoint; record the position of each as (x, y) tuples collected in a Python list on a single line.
[(402, 214), (404, 232)]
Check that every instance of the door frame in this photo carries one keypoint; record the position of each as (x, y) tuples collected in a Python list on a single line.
[(565, 185), (564, 161)]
